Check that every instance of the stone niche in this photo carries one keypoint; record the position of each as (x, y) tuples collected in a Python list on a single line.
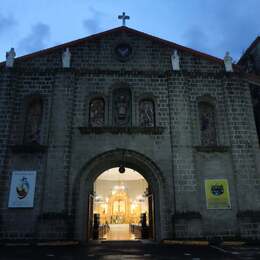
[(122, 107)]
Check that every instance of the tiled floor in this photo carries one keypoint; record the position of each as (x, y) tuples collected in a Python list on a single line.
[(119, 232)]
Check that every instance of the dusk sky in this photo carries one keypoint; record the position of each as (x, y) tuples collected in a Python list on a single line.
[(211, 26)]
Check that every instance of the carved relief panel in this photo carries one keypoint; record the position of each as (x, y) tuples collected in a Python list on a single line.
[(97, 112), (146, 113), (207, 124), (32, 131), (122, 108)]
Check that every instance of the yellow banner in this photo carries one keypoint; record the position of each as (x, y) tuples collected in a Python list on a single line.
[(217, 194)]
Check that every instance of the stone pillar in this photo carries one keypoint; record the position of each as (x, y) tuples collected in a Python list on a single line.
[(242, 140), (54, 211), (185, 184), (7, 96), (237, 99), (59, 143)]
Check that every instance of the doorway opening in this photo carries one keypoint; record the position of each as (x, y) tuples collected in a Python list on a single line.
[(121, 206)]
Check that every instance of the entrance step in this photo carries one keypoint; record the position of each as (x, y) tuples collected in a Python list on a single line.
[(116, 242), (119, 232)]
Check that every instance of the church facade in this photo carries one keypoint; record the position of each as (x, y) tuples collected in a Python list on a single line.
[(118, 98)]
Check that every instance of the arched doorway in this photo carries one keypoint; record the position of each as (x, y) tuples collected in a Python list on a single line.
[(82, 207), (122, 206)]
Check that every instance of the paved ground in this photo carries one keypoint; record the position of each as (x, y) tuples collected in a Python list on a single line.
[(128, 250)]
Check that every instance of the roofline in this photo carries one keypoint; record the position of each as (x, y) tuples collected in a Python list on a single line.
[(177, 46), (123, 28), (249, 49), (63, 45)]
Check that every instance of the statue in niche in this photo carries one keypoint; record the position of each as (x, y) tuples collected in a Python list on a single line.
[(97, 113), (33, 122), (207, 124), (146, 113), (122, 107), (10, 55), (66, 55), (175, 60)]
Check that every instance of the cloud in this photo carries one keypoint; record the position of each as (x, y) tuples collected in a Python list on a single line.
[(92, 25), (237, 29), (196, 38), (6, 23), (36, 40), (218, 28)]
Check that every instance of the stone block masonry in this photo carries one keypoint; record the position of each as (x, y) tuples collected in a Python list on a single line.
[(71, 153)]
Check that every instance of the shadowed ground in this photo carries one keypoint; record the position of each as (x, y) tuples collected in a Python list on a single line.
[(127, 250)]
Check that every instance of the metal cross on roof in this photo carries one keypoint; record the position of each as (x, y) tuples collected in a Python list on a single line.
[(124, 17)]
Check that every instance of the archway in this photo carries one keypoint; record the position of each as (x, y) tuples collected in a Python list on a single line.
[(83, 188), (122, 206)]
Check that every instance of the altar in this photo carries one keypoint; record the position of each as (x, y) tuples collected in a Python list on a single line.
[(120, 202)]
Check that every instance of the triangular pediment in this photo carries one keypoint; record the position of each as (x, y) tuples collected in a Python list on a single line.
[(122, 29), (97, 52)]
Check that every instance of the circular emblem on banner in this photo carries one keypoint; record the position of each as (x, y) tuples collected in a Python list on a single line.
[(22, 188), (217, 190)]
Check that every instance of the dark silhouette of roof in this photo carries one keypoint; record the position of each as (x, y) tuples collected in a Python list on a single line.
[(249, 50)]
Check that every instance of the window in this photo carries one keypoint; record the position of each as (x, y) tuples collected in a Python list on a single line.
[(97, 112), (146, 113), (33, 120), (207, 124)]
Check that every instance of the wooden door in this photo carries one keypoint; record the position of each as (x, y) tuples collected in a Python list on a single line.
[(90, 216), (151, 216)]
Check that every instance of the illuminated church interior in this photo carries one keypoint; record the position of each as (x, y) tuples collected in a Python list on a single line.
[(120, 201)]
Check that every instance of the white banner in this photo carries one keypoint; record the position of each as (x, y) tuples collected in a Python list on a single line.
[(22, 189)]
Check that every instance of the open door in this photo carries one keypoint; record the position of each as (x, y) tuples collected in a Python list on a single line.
[(121, 203), (90, 216), (151, 216)]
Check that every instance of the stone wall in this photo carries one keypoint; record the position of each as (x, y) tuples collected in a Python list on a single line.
[(69, 146)]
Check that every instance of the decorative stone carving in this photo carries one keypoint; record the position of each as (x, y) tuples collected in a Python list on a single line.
[(228, 62), (207, 124), (175, 61), (10, 55), (122, 107), (123, 52), (146, 113), (33, 122), (97, 112), (66, 55)]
